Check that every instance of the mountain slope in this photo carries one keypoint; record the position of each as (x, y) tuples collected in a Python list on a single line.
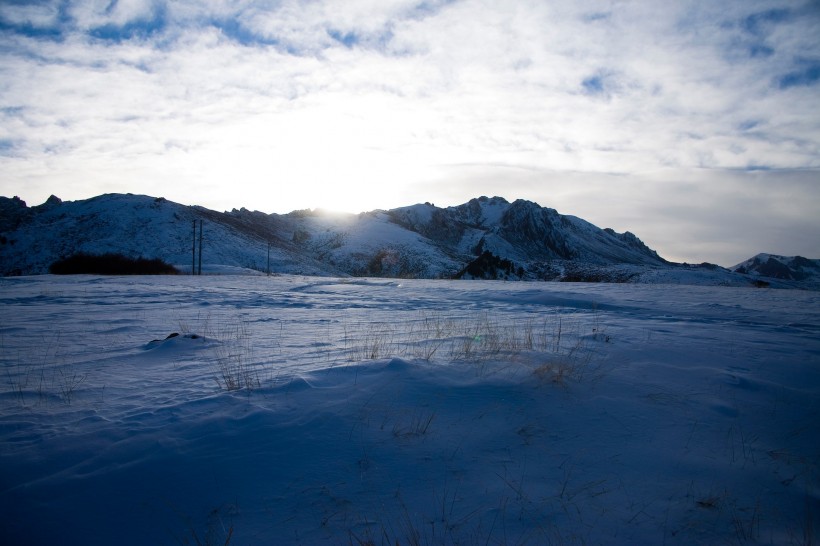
[(522, 231), (137, 225), (792, 268), (483, 238)]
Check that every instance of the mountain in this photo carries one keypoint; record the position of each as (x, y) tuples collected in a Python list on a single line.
[(789, 268), (136, 225), (522, 231), (483, 238)]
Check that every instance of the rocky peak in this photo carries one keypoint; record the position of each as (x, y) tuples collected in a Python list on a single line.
[(12, 210)]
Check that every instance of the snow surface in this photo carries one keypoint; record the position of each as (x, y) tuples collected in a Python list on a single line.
[(305, 410)]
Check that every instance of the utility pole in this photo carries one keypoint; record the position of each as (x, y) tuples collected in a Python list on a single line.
[(193, 251), (200, 248)]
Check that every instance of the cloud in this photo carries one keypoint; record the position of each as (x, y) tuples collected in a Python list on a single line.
[(27, 15)]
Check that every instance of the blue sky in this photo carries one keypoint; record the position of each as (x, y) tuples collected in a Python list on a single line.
[(695, 125)]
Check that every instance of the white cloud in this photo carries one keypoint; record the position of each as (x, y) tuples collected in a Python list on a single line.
[(36, 15), (89, 14)]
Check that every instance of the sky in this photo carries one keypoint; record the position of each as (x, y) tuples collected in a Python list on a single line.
[(694, 125)]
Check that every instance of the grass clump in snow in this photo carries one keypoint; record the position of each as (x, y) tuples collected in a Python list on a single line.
[(556, 347), (560, 347), (414, 425), (218, 532), (43, 374), (68, 379), (234, 367)]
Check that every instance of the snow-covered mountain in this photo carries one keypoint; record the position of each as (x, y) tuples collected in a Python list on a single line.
[(522, 231), (31, 238), (791, 268), (484, 238)]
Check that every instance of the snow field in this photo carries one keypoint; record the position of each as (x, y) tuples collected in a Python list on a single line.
[(295, 410)]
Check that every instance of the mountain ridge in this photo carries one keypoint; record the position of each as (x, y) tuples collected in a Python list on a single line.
[(486, 237)]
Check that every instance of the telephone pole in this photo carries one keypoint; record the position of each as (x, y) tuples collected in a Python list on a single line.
[(193, 251), (200, 248), (194, 270)]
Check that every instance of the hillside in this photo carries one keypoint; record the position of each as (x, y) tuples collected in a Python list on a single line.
[(487, 238), (137, 225), (788, 268)]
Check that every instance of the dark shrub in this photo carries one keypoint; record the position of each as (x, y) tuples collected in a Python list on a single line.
[(110, 264)]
